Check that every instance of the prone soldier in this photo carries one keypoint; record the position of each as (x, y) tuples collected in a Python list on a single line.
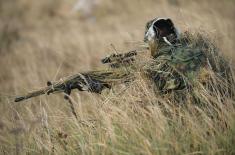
[(176, 62)]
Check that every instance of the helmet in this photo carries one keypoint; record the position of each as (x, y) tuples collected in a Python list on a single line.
[(161, 28)]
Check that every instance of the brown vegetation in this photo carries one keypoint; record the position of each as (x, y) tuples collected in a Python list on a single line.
[(44, 40)]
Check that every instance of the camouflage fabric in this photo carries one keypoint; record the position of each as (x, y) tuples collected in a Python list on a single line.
[(175, 67)]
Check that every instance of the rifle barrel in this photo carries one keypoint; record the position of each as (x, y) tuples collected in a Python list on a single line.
[(33, 94)]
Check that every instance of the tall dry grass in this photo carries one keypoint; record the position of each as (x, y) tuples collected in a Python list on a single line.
[(43, 40)]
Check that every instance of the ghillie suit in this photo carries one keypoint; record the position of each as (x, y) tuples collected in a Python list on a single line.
[(179, 64), (185, 64)]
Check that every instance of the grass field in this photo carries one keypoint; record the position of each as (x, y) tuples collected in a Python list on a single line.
[(45, 40)]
